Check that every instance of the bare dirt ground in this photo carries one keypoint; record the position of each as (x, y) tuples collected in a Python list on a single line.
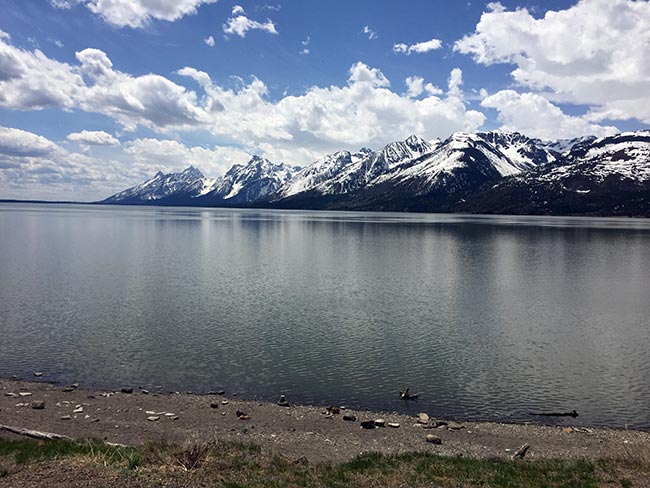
[(294, 432)]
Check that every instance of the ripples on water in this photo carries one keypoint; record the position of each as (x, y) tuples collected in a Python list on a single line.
[(486, 317)]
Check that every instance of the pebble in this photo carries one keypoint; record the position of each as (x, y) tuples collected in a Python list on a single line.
[(455, 426), (368, 424), (434, 439), (214, 405), (66, 417), (170, 415), (380, 423), (68, 389), (283, 401), (38, 405), (11, 394), (38, 374), (78, 410), (145, 392), (224, 402), (393, 425), (150, 412), (423, 418), (153, 418), (349, 418), (24, 394), (127, 390), (174, 417)]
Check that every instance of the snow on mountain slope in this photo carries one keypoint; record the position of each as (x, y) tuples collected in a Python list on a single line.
[(488, 156), (251, 182), (189, 182)]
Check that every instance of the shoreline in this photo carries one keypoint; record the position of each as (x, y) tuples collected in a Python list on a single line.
[(295, 431)]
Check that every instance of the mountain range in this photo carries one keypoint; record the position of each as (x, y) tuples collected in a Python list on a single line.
[(486, 172)]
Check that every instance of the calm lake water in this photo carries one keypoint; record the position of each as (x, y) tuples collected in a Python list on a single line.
[(485, 317)]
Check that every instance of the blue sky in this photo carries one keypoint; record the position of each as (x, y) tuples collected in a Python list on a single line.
[(96, 95)]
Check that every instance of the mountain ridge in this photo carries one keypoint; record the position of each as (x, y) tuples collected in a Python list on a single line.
[(483, 172)]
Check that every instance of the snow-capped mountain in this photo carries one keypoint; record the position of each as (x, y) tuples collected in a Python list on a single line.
[(252, 182), (606, 176), (494, 172), (344, 172), (189, 183), (411, 169)]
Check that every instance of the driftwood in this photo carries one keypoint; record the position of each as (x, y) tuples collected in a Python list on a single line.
[(521, 452), (47, 436), (34, 434), (572, 413)]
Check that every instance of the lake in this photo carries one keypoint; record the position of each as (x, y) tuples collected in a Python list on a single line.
[(486, 317)]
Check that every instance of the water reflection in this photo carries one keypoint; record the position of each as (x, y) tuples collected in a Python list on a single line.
[(488, 317)]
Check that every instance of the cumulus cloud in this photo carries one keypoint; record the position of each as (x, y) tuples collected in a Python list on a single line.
[(536, 116), (418, 48), (416, 86), (136, 13), (93, 138), (364, 111), (209, 41), (31, 80), (149, 100), (32, 166), (16, 142), (595, 53), (150, 155), (372, 35), (239, 24)]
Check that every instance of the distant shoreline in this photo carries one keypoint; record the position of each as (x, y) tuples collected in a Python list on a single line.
[(270, 207)]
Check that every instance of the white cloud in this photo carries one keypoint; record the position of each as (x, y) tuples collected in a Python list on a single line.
[(365, 111), (16, 142), (535, 116), (209, 41), (148, 100), (415, 87), (305, 50), (151, 155), (418, 48), (32, 166), (595, 53), (31, 80), (93, 138), (372, 35), (239, 24), (136, 13)]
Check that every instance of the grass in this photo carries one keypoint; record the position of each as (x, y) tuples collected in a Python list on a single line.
[(238, 465)]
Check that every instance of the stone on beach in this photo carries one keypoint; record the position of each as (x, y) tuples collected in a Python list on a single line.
[(394, 425), (433, 439), (128, 391), (349, 417), (214, 405), (423, 418), (283, 401), (153, 418), (380, 422), (38, 405)]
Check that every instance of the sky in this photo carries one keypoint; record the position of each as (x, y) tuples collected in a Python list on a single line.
[(98, 95)]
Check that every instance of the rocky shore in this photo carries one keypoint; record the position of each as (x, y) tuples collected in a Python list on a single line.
[(332, 433)]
